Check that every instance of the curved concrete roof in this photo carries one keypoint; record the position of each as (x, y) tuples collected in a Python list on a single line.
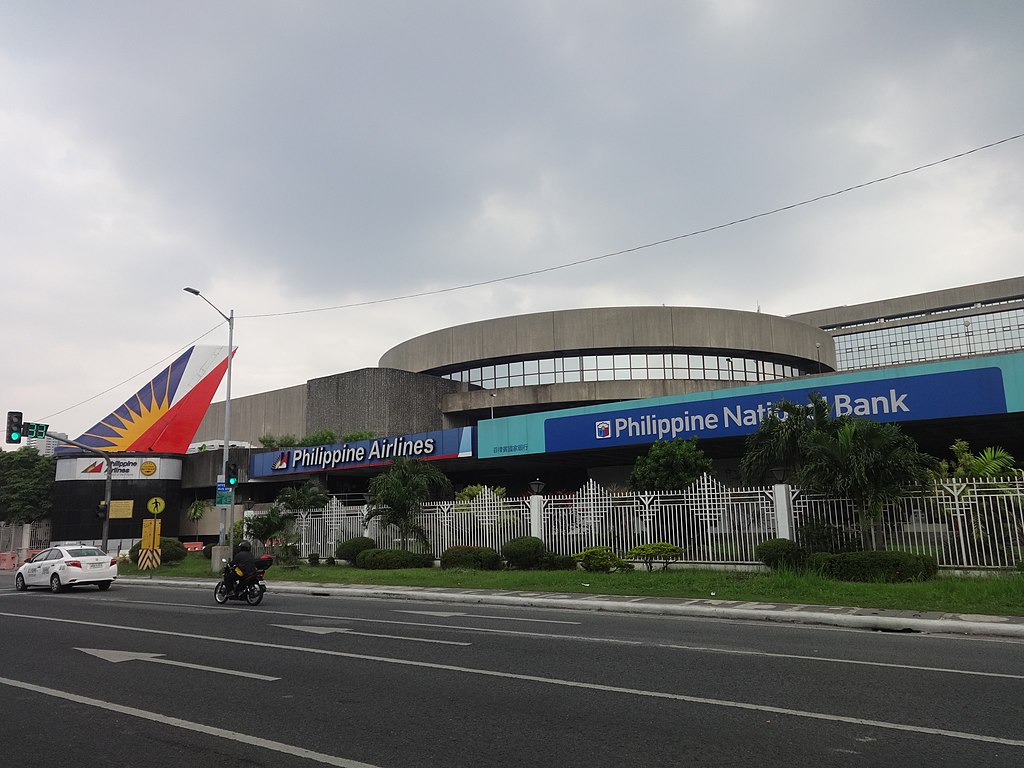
[(610, 328)]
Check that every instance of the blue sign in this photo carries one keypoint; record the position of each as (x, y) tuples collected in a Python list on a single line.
[(913, 398), (429, 446)]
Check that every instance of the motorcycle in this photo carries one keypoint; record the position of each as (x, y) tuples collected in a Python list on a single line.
[(249, 588)]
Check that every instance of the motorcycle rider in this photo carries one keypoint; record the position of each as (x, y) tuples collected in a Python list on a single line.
[(243, 560)]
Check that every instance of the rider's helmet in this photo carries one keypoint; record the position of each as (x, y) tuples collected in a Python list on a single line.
[(243, 544)]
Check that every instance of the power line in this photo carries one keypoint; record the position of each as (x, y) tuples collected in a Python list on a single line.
[(636, 248)]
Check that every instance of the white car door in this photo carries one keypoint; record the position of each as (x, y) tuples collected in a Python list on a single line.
[(34, 568)]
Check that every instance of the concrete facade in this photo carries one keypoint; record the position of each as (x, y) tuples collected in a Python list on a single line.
[(613, 328), (964, 301)]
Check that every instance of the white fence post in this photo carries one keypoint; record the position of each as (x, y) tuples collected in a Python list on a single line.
[(783, 511), (537, 516)]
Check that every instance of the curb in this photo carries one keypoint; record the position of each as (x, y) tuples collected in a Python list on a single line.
[(853, 618)]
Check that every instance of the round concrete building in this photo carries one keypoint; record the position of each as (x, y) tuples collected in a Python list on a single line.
[(567, 358)]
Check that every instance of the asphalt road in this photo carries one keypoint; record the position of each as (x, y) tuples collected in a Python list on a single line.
[(155, 677)]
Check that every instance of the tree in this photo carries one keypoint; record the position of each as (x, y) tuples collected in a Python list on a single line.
[(396, 497), (197, 511), (309, 495), (670, 465), (866, 461), (26, 485), (992, 462), (776, 444)]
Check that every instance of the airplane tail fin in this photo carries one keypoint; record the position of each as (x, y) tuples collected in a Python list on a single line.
[(165, 414)]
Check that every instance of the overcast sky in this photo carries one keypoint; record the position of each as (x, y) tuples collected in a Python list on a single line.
[(289, 158)]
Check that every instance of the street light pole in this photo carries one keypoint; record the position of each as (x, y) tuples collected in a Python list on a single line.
[(227, 411)]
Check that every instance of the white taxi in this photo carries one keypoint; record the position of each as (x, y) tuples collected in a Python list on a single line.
[(65, 566)]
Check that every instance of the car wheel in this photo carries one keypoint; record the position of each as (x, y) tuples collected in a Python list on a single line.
[(55, 585), (104, 586), (19, 583)]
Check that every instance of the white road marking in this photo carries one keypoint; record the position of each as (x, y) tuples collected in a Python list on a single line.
[(614, 641), (552, 681), (343, 630), (118, 656), (450, 614), (209, 730)]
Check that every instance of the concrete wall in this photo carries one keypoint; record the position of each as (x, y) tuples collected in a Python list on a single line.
[(380, 400), (961, 299), (279, 412), (721, 330)]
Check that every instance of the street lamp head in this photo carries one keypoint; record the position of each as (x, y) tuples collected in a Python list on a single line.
[(536, 486), (193, 291)]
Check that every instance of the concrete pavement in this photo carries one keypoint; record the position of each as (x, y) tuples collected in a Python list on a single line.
[(838, 616)]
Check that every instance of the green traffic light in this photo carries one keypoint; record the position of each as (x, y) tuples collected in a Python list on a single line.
[(15, 435), (232, 480)]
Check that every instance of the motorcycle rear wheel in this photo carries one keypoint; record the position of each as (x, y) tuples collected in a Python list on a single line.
[(220, 593), (254, 595)]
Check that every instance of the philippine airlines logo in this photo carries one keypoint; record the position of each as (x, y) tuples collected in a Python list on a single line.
[(602, 429), (282, 461), (94, 469)]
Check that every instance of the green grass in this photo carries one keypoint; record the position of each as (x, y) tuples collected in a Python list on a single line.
[(998, 594)]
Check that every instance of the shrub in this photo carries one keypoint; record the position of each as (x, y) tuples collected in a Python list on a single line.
[(819, 536), (314, 559), (171, 551), (523, 552), (552, 562), (889, 566), (820, 563), (781, 554), (208, 551), (350, 549), (660, 551), (385, 559), (329, 561), (602, 559), (1020, 565), (474, 558)]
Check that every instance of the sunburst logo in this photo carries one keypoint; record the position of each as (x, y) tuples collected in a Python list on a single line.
[(282, 461), (93, 469)]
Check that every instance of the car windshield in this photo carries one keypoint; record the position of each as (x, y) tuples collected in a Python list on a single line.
[(86, 552)]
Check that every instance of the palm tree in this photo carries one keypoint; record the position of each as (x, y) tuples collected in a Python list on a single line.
[(866, 461), (197, 511), (396, 497), (776, 444)]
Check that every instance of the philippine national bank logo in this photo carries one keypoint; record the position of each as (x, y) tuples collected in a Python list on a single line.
[(282, 461), (602, 430)]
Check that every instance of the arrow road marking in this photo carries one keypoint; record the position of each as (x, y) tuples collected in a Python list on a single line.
[(119, 656), (333, 630), (447, 615)]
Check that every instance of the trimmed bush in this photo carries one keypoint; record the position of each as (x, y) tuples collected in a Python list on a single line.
[(523, 552), (888, 566), (329, 561), (387, 559), (602, 560), (350, 549), (820, 563), (208, 551), (660, 551), (472, 558), (171, 551), (552, 562), (313, 559), (820, 536), (781, 554)]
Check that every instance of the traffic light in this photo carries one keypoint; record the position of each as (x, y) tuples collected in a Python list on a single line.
[(101, 510), (14, 428), (231, 475)]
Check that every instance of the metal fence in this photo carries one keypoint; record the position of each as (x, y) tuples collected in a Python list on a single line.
[(964, 524)]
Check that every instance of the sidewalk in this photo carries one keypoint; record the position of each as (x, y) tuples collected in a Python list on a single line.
[(858, 618)]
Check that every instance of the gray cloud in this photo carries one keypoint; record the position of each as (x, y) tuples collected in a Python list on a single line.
[(291, 156)]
